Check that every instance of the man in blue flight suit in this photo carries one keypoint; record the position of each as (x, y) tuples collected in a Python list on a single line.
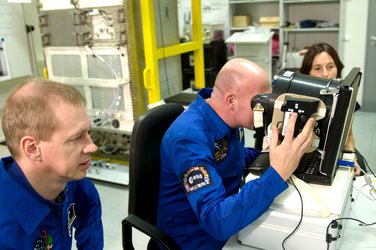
[(43, 190), (201, 204)]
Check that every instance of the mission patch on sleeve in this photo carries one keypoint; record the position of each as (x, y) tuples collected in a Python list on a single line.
[(196, 177)]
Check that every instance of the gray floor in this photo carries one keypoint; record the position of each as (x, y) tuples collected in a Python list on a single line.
[(114, 197)]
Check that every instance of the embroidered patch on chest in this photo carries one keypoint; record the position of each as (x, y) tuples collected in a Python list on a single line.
[(44, 241), (241, 134), (196, 177), (71, 217), (220, 150)]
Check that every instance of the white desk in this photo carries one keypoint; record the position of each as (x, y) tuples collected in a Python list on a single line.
[(353, 235), (356, 237)]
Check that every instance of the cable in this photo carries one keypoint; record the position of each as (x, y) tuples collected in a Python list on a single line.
[(367, 177), (368, 181), (109, 147), (355, 202), (76, 5), (334, 223), (365, 161), (301, 215), (103, 118), (371, 198), (103, 13), (358, 154), (95, 55)]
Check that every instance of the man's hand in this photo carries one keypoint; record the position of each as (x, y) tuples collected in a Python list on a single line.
[(285, 157), (357, 169)]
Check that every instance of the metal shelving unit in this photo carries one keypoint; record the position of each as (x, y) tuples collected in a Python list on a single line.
[(293, 11)]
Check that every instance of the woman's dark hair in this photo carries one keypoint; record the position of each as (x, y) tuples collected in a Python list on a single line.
[(318, 48)]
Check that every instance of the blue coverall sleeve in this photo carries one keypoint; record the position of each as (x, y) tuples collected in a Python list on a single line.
[(250, 155), (88, 224), (219, 214)]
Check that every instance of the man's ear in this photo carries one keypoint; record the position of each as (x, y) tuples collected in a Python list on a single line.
[(30, 148), (230, 100)]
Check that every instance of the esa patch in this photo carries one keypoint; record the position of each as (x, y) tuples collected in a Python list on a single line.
[(196, 177)]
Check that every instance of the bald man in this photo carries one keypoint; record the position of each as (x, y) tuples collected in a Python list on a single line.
[(201, 204)]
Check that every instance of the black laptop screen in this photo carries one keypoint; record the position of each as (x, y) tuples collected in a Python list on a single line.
[(339, 97)]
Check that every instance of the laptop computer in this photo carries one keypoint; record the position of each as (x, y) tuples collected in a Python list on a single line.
[(320, 166)]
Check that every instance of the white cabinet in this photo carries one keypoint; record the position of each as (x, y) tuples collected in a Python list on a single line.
[(257, 9), (256, 47)]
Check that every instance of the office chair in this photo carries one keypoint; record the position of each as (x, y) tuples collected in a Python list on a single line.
[(144, 168)]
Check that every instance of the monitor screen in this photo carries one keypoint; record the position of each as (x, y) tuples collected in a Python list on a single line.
[(334, 99)]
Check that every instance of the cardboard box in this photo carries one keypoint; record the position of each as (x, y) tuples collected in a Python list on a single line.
[(241, 21), (269, 21)]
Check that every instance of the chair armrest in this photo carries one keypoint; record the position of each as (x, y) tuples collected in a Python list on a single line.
[(150, 230)]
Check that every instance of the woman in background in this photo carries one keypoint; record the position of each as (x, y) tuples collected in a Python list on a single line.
[(322, 60)]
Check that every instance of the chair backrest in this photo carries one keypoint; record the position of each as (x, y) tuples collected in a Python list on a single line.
[(144, 161)]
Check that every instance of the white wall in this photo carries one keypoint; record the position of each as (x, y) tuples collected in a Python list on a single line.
[(354, 36), (15, 40)]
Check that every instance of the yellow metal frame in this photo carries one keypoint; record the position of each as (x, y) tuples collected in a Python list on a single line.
[(153, 54)]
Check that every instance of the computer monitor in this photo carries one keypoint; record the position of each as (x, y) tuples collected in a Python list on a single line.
[(338, 97), (352, 81)]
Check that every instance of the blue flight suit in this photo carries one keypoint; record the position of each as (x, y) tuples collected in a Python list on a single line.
[(28, 221), (202, 163)]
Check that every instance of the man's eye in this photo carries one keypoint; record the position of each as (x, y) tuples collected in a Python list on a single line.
[(77, 138)]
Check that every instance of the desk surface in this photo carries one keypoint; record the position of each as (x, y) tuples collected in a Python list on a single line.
[(354, 236)]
